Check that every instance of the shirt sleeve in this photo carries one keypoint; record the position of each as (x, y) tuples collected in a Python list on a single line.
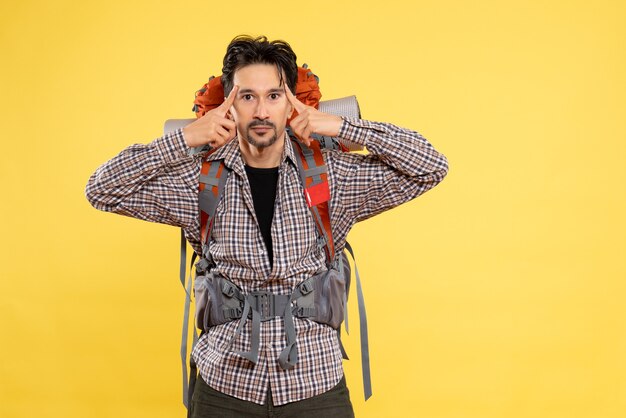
[(155, 182), (401, 165)]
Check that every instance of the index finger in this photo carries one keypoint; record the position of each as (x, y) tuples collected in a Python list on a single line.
[(297, 104), (231, 98)]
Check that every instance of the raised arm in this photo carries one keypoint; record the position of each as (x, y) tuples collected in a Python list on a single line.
[(158, 181), (400, 166), (155, 182)]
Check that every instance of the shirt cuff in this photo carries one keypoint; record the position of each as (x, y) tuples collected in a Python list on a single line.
[(359, 131), (171, 146)]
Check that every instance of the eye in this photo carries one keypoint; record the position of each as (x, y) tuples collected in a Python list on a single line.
[(247, 97), (274, 96)]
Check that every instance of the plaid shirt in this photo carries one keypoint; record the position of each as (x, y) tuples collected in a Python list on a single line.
[(158, 182)]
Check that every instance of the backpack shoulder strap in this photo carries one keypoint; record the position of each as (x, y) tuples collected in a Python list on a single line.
[(212, 179), (314, 177)]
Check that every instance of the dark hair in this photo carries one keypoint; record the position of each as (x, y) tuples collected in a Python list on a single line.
[(245, 50)]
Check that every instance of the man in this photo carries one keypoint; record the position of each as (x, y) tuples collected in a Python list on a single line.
[(264, 237)]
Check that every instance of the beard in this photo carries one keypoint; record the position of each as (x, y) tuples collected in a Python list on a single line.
[(263, 143)]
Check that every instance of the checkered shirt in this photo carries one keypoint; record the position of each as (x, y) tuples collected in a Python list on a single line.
[(158, 182)]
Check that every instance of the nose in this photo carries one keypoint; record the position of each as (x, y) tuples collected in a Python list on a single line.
[(261, 110)]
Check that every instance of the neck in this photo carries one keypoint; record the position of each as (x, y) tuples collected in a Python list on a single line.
[(266, 157)]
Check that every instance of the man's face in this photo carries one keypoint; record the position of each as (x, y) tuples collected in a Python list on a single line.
[(261, 108)]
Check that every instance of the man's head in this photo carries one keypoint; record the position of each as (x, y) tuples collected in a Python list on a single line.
[(260, 69), (245, 50)]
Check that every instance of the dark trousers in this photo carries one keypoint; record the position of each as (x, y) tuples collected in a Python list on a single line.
[(207, 402)]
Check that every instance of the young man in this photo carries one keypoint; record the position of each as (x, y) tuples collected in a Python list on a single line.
[(264, 237)]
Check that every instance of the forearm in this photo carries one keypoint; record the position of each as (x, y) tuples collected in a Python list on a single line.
[(403, 149), (400, 166)]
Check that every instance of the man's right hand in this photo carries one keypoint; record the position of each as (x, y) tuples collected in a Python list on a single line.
[(214, 128)]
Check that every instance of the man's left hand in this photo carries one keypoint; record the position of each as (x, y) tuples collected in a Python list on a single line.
[(310, 120)]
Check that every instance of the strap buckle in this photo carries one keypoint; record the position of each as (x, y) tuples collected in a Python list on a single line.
[(263, 303), (233, 313), (228, 289), (202, 265), (306, 287)]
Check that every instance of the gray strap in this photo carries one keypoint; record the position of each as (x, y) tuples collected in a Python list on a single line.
[(316, 171), (242, 322), (230, 290), (215, 165), (183, 258), (208, 202), (185, 331), (299, 163), (318, 221), (208, 180), (365, 352), (289, 356), (280, 305), (306, 312), (281, 302), (316, 215), (253, 354), (345, 301), (205, 247), (310, 160), (211, 177), (206, 199), (327, 142), (222, 183), (305, 150)]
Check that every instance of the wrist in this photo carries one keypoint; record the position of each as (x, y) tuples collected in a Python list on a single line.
[(188, 137), (334, 126)]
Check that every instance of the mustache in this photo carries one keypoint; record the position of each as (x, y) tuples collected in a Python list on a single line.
[(261, 123)]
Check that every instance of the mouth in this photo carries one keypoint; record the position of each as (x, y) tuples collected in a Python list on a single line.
[(261, 128)]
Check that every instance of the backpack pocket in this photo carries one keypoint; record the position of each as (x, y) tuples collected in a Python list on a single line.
[(329, 297), (218, 301), (203, 300)]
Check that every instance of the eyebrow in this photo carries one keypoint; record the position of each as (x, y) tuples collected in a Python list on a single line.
[(274, 90)]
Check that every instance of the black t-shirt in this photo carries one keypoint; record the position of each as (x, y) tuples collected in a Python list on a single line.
[(263, 183)]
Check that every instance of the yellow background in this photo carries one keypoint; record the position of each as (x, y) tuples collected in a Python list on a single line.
[(498, 294)]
